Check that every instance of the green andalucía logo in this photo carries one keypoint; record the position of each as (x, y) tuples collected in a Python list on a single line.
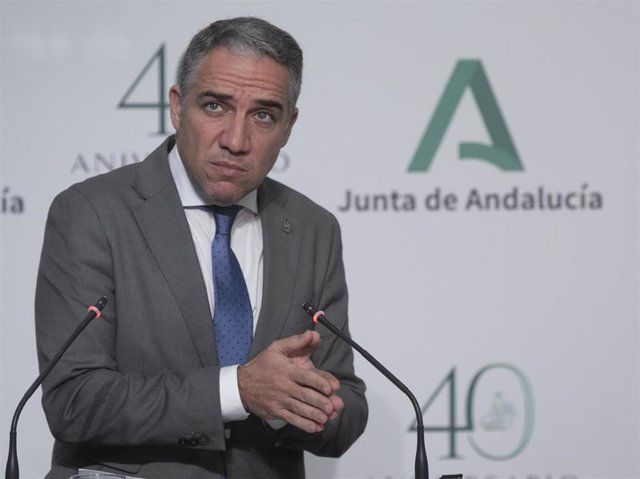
[(502, 153)]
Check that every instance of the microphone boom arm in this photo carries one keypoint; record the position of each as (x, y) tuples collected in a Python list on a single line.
[(422, 465), (12, 471)]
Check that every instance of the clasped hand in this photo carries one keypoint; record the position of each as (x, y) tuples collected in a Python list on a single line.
[(283, 383)]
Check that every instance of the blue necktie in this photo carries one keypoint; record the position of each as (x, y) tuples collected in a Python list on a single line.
[(233, 317)]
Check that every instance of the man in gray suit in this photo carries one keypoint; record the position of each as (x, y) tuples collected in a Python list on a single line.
[(142, 391)]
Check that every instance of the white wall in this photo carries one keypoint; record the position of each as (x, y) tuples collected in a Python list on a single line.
[(550, 294)]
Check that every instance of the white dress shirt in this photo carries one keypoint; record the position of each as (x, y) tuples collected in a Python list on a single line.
[(246, 243)]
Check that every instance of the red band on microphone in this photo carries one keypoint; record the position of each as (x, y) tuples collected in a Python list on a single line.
[(317, 315), (95, 310)]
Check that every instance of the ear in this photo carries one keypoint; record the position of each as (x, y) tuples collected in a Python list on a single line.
[(175, 106), (287, 133)]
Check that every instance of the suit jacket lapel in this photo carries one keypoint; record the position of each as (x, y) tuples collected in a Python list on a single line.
[(165, 228), (281, 247)]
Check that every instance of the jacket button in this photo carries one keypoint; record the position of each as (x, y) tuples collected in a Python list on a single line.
[(187, 441), (191, 440)]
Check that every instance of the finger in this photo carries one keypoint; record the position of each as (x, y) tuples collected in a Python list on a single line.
[(301, 423), (318, 415), (299, 345), (295, 387), (312, 378), (299, 406), (335, 384), (302, 361), (308, 402), (338, 405)]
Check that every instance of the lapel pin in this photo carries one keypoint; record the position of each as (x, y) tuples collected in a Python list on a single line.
[(286, 226)]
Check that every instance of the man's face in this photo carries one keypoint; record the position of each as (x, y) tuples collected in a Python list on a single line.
[(232, 123)]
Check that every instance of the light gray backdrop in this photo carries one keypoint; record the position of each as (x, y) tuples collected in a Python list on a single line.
[(525, 316)]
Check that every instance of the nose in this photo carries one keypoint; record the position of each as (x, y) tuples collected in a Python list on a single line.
[(235, 137)]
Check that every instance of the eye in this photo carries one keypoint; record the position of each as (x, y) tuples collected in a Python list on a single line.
[(213, 106), (265, 117)]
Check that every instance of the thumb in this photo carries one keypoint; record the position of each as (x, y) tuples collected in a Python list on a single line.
[(299, 345)]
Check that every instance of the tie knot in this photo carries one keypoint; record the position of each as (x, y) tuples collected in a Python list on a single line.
[(224, 217)]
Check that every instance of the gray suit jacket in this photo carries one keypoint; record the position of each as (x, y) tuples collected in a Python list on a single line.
[(138, 391)]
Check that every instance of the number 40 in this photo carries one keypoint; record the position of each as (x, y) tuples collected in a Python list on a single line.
[(449, 382)]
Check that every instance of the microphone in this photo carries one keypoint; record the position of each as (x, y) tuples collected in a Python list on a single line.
[(95, 311), (422, 465)]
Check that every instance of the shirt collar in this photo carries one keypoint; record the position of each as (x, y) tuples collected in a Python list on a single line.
[(189, 196)]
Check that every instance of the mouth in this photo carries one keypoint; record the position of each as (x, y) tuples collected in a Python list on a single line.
[(228, 169)]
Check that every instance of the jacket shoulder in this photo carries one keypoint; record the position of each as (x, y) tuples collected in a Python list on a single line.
[(134, 180), (292, 201)]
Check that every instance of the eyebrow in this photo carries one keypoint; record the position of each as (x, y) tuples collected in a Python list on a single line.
[(213, 94), (226, 97), (271, 104)]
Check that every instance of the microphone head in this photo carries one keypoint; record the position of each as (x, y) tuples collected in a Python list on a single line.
[(309, 309), (102, 302)]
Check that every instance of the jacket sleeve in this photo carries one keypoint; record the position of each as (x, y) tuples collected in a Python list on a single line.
[(335, 356), (92, 396)]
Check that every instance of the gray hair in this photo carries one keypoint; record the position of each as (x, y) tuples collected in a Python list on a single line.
[(246, 35)]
